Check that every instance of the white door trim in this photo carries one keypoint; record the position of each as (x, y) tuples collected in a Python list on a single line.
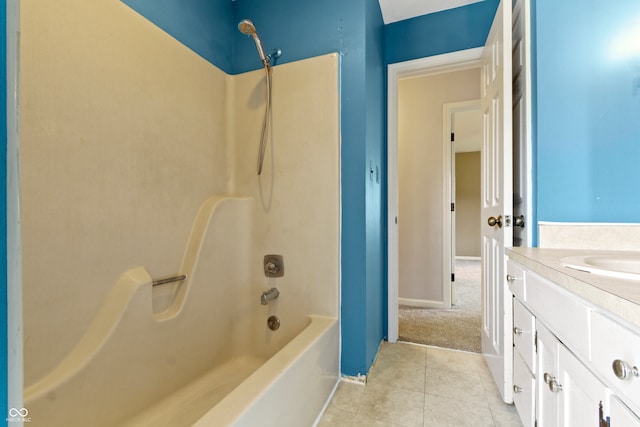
[(454, 61), (448, 177)]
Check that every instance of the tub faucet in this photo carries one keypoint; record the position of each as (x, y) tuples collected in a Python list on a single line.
[(269, 295)]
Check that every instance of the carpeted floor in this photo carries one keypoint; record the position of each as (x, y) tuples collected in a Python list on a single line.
[(457, 328)]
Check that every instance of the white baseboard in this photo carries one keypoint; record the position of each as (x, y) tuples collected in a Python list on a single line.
[(468, 258), (422, 303)]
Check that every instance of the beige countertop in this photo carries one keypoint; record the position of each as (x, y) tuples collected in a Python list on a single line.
[(619, 296)]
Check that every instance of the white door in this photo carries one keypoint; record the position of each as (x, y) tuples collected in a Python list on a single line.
[(496, 211)]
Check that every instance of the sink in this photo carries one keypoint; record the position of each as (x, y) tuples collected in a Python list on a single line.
[(623, 266)]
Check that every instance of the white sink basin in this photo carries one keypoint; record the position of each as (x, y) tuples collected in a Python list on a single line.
[(618, 266)]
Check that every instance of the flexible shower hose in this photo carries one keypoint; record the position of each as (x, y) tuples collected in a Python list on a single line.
[(265, 122)]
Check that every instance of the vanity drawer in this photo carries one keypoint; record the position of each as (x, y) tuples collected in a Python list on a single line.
[(614, 342), (524, 334), (524, 396), (516, 280), (565, 314)]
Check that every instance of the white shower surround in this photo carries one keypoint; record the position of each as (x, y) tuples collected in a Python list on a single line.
[(293, 209)]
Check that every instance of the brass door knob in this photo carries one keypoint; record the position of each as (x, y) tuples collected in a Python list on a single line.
[(495, 221)]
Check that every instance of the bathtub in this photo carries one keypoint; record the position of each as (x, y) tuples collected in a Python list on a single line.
[(194, 353), (288, 389)]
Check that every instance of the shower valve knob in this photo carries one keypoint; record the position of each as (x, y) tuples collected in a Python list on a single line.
[(273, 266)]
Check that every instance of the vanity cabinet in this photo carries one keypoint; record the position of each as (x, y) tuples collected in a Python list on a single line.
[(574, 364)]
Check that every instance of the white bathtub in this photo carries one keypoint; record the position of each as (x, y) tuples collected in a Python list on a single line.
[(205, 358), (289, 389)]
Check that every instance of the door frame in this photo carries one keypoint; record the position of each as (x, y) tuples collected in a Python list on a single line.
[(448, 215), (454, 61)]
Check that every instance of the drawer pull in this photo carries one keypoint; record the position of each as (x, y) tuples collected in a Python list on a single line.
[(622, 370), (517, 331), (552, 382), (517, 389)]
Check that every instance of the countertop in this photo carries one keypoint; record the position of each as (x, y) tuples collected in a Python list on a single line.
[(618, 296)]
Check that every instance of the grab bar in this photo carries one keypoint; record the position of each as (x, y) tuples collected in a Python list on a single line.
[(178, 278)]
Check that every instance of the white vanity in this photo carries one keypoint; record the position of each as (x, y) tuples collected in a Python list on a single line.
[(576, 341)]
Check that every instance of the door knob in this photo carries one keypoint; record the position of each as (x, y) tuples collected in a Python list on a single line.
[(495, 221)]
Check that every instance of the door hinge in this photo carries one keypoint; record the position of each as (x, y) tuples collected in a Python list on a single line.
[(453, 277), (396, 220), (453, 207), (535, 342), (453, 137)]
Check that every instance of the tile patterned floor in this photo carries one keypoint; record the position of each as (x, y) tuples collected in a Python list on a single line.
[(415, 386)]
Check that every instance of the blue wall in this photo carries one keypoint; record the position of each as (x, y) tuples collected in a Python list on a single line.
[(588, 111), (437, 33), (3, 215)]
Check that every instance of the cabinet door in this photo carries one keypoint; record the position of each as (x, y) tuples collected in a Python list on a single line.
[(524, 396), (620, 415), (580, 392), (548, 401)]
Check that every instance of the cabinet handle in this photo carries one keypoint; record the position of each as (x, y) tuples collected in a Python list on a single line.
[(555, 386), (517, 331), (622, 370), (517, 389), (511, 278), (552, 382)]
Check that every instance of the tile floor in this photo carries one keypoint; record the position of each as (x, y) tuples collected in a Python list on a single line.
[(412, 385)]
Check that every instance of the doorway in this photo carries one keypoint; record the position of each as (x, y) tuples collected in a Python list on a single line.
[(423, 295), (453, 323)]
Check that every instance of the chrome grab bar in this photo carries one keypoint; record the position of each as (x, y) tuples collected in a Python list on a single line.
[(172, 279)]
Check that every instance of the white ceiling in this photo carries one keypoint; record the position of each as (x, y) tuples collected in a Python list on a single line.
[(398, 10)]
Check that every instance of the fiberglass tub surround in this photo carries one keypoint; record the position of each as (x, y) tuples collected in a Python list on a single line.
[(200, 347)]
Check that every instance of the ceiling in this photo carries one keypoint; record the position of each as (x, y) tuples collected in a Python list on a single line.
[(398, 10)]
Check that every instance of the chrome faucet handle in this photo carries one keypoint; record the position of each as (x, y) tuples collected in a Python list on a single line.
[(273, 266)]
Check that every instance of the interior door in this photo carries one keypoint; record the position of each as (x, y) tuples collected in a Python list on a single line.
[(496, 211)]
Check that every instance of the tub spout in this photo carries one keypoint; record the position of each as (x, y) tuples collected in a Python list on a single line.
[(269, 295)]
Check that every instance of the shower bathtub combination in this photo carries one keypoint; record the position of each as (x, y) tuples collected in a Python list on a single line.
[(130, 318), (177, 354)]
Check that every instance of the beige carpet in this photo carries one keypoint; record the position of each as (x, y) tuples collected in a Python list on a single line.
[(457, 328)]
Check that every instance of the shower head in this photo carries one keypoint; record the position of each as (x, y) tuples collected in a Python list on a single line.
[(246, 27)]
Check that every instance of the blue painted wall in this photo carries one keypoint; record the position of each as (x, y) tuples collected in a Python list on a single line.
[(3, 215), (588, 110), (451, 30), (375, 191)]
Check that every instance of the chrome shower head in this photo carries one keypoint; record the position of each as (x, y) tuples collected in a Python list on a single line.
[(246, 27)]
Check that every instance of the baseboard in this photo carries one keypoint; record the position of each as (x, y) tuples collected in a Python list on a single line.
[(468, 258), (422, 303)]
